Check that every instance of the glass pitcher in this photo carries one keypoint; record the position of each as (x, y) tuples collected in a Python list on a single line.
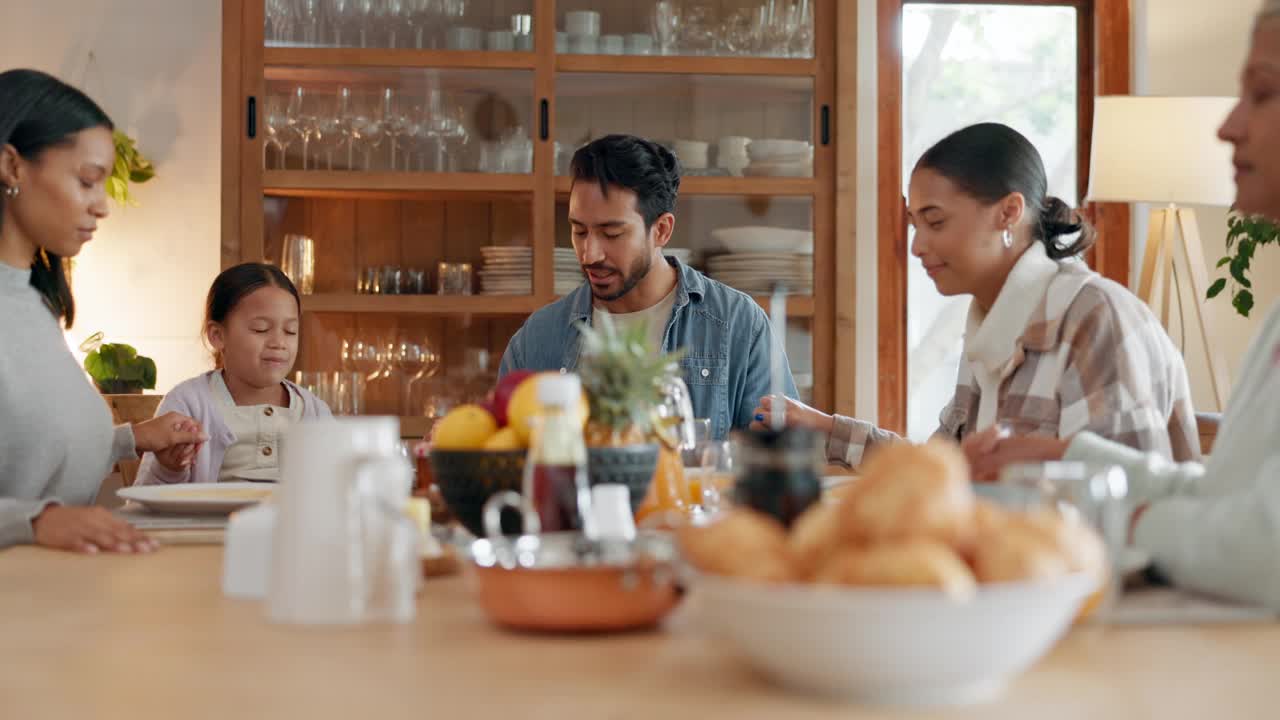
[(674, 425)]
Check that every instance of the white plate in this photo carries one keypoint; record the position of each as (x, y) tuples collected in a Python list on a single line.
[(761, 239), (198, 498)]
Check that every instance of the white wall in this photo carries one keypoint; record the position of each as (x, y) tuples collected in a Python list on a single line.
[(1193, 47), (158, 74)]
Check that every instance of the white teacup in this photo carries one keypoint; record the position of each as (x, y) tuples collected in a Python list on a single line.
[(611, 44)]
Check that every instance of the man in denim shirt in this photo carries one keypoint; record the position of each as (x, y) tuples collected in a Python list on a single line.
[(621, 212)]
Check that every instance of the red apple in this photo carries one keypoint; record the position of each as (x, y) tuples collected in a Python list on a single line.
[(503, 392)]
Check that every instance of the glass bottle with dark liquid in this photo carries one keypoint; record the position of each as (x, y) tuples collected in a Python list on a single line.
[(555, 479), (780, 472)]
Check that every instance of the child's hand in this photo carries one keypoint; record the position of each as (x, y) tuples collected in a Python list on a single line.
[(178, 457)]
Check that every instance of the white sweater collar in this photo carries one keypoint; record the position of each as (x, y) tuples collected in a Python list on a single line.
[(992, 338)]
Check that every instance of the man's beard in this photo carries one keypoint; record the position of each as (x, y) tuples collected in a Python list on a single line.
[(639, 269)]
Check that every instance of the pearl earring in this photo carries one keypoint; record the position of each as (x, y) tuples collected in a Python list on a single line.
[(1007, 238), (11, 191)]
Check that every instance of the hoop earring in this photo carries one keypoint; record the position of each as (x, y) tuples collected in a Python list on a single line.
[(1007, 238)]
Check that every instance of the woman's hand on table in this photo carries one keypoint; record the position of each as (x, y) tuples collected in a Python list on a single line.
[(88, 530), (167, 431), (797, 414), (991, 450)]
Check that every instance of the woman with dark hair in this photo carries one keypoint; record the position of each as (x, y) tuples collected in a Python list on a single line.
[(56, 439), (1213, 528), (245, 402), (1050, 346)]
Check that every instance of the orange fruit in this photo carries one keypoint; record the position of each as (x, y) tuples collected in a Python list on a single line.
[(524, 406), (466, 427)]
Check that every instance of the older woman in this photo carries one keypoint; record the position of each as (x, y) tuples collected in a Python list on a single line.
[(1214, 528), (56, 439)]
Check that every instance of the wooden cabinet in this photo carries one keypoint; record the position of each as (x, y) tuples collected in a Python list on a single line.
[(407, 157)]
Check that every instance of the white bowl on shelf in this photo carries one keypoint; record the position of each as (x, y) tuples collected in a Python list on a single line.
[(763, 239), (892, 645), (770, 149), (800, 169)]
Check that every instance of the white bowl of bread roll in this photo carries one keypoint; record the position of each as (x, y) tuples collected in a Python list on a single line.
[(907, 589)]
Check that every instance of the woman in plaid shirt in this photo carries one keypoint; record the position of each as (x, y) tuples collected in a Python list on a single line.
[(1050, 347)]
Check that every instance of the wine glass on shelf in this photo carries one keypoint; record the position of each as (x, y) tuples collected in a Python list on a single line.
[(279, 15), (301, 121), (308, 12), (363, 356), (396, 122), (420, 14), (362, 15), (339, 13), (278, 135), (416, 361), (368, 130), (330, 130)]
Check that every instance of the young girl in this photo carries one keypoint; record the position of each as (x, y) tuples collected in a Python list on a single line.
[(1050, 346), (245, 404)]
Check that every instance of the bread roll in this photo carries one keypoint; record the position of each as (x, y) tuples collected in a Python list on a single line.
[(1015, 551), (913, 563), (911, 491), (814, 536), (744, 544)]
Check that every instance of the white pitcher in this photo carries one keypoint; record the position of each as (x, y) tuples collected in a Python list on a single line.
[(343, 551)]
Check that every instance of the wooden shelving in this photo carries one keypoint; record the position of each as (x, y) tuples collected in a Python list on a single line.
[(395, 59), (386, 185), (737, 186), (798, 306), (495, 305), (687, 65)]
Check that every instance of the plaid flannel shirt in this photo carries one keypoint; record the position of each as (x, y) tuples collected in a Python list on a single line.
[(1093, 357)]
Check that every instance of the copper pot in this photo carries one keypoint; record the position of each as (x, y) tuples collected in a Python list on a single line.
[(566, 582)]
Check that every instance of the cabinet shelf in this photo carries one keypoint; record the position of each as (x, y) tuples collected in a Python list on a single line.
[(798, 306), (494, 305), (337, 183), (734, 186), (387, 58), (687, 65)]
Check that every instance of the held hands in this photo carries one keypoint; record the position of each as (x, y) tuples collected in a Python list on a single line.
[(797, 414), (990, 451), (88, 530), (174, 438)]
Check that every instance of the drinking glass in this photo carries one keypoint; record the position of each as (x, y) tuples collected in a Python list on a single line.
[(666, 25), (278, 136), (308, 14), (298, 262), (1096, 495), (719, 472), (302, 122), (455, 278)]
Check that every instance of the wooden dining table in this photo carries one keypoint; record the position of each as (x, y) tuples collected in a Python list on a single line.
[(140, 637)]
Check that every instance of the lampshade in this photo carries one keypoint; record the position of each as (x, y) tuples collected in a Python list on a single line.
[(1161, 150)]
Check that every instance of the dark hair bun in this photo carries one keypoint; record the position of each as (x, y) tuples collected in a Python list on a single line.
[(1058, 224)]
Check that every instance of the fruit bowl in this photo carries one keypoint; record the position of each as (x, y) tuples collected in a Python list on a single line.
[(631, 465), (892, 645), (468, 478)]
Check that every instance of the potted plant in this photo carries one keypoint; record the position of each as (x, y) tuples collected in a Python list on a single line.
[(1245, 234), (117, 368), (130, 167)]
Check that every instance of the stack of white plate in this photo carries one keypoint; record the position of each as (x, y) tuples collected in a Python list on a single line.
[(763, 239), (568, 271), (756, 273), (506, 270), (780, 158)]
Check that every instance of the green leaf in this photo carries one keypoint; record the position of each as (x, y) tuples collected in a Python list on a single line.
[(1216, 288), (1239, 267), (1243, 302), (1223, 261)]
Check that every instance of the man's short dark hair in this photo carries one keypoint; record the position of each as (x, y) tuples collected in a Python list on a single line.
[(642, 166)]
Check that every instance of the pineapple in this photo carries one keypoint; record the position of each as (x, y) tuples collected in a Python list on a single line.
[(626, 382)]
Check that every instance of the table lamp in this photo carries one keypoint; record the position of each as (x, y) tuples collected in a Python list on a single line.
[(1166, 151)]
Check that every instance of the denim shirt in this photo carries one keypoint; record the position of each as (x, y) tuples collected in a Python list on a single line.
[(726, 336)]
